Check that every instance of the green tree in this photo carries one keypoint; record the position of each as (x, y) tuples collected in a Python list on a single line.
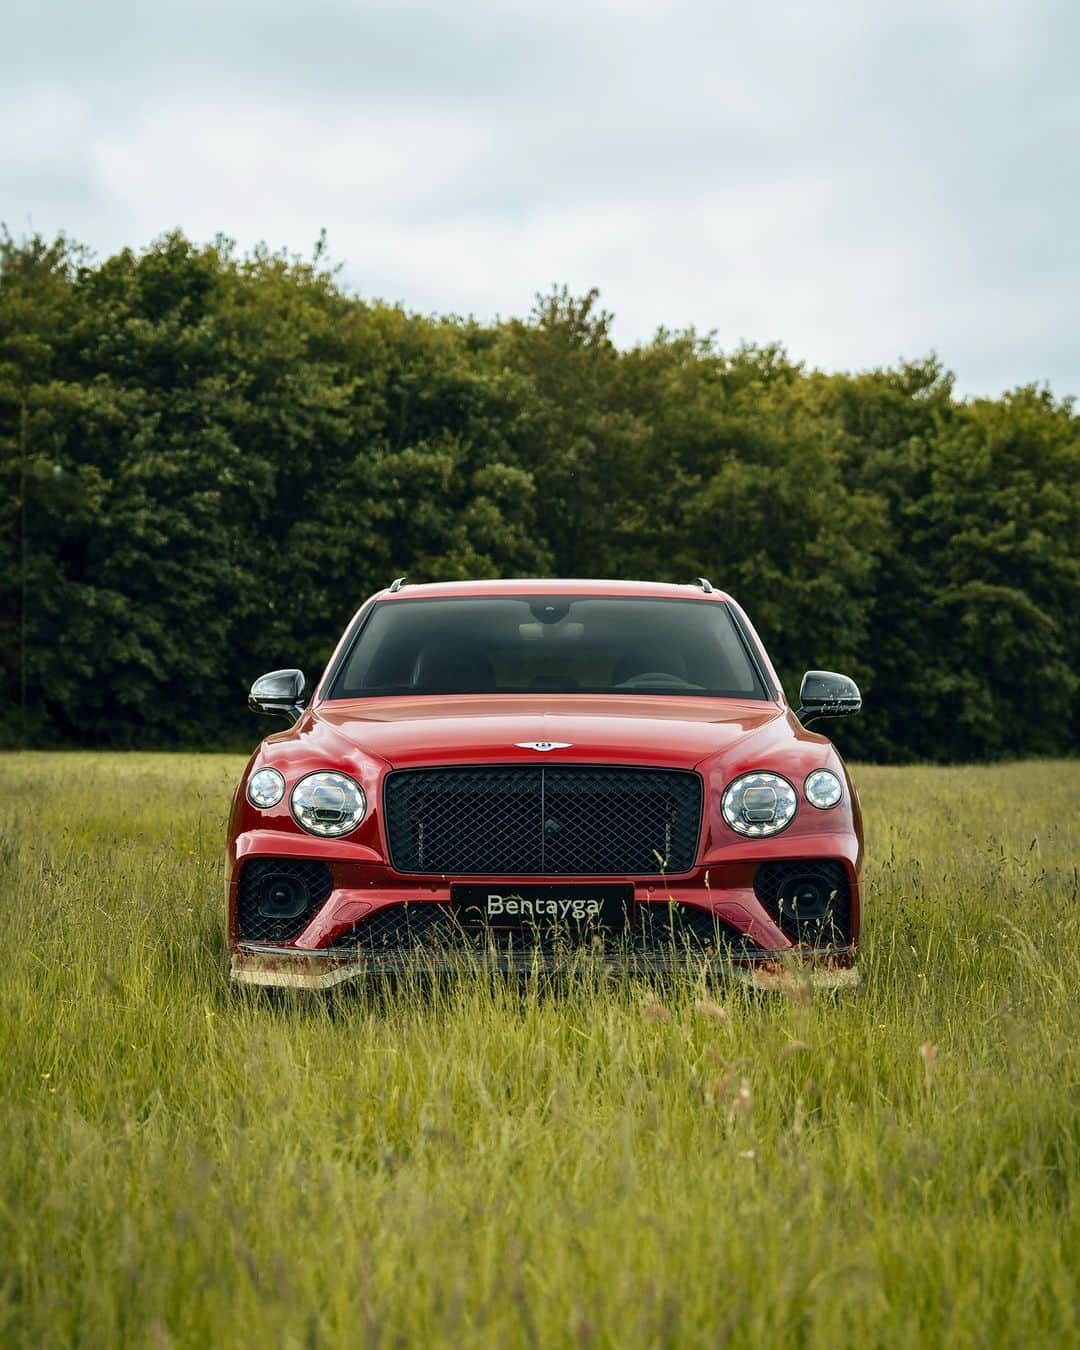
[(209, 460)]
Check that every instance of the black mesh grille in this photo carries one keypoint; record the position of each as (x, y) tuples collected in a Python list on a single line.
[(686, 927), (808, 899), (258, 876), (659, 934), (543, 821), (401, 928)]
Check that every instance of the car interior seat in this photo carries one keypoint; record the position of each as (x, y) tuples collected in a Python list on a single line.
[(452, 670)]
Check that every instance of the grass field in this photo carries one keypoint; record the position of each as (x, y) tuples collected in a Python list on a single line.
[(497, 1164)]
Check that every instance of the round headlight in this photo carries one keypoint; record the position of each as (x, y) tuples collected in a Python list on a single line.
[(823, 789), (759, 803), (328, 803), (265, 788)]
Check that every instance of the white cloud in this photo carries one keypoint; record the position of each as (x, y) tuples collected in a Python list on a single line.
[(858, 181)]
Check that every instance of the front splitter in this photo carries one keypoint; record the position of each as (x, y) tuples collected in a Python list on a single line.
[(292, 968)]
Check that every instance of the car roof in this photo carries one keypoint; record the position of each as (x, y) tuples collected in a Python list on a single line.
[(433, 590)]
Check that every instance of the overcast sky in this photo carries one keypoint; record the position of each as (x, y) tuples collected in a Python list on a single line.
[(861, 181)]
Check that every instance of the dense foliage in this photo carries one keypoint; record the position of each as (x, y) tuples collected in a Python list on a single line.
[(208, 461)]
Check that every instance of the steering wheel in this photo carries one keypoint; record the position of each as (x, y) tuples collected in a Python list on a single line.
[(655, 677)]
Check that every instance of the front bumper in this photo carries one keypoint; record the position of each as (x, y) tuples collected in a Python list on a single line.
[(335, 942)]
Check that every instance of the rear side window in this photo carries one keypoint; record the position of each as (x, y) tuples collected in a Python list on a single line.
[(549, 643)]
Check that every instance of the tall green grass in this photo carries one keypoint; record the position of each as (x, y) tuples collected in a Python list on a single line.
[(491, 1163)]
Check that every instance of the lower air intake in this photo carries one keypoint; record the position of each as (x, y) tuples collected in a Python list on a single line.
[(660, 935), (809, 900), (278, 897)]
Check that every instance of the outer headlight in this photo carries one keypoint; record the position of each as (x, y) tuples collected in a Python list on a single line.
[(328, 803), (823, 789), (759, 803), (265, 788)]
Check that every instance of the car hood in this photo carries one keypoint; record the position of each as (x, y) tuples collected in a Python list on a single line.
[(622, 729)]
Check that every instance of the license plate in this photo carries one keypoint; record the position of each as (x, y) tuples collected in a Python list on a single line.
[(575, 908)]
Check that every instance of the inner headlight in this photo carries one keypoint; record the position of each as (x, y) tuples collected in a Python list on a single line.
[(328, 803), (823, 789), (759, 803), (265, 788)]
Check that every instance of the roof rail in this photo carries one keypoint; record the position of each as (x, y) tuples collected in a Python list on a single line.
[(396, 584), (705, 584)]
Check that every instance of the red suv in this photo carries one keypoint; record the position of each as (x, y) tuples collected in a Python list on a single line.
[(529, 774)]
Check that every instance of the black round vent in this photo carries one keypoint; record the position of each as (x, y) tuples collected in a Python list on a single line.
[(278, 897), (809, 900)]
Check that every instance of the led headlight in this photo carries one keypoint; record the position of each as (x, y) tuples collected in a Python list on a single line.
[(759, 804), (265, 788), (823, 789), (328, 803)]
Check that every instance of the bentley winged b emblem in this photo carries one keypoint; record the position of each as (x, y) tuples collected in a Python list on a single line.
[(542, 745)]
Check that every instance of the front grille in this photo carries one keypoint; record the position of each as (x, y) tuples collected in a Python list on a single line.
[(255, 917), (808, 899), (530, 820), (663, 934)]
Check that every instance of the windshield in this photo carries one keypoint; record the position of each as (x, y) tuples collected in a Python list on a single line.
[(555, 644)]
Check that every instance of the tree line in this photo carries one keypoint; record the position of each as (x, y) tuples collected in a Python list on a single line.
[(209, 460)]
